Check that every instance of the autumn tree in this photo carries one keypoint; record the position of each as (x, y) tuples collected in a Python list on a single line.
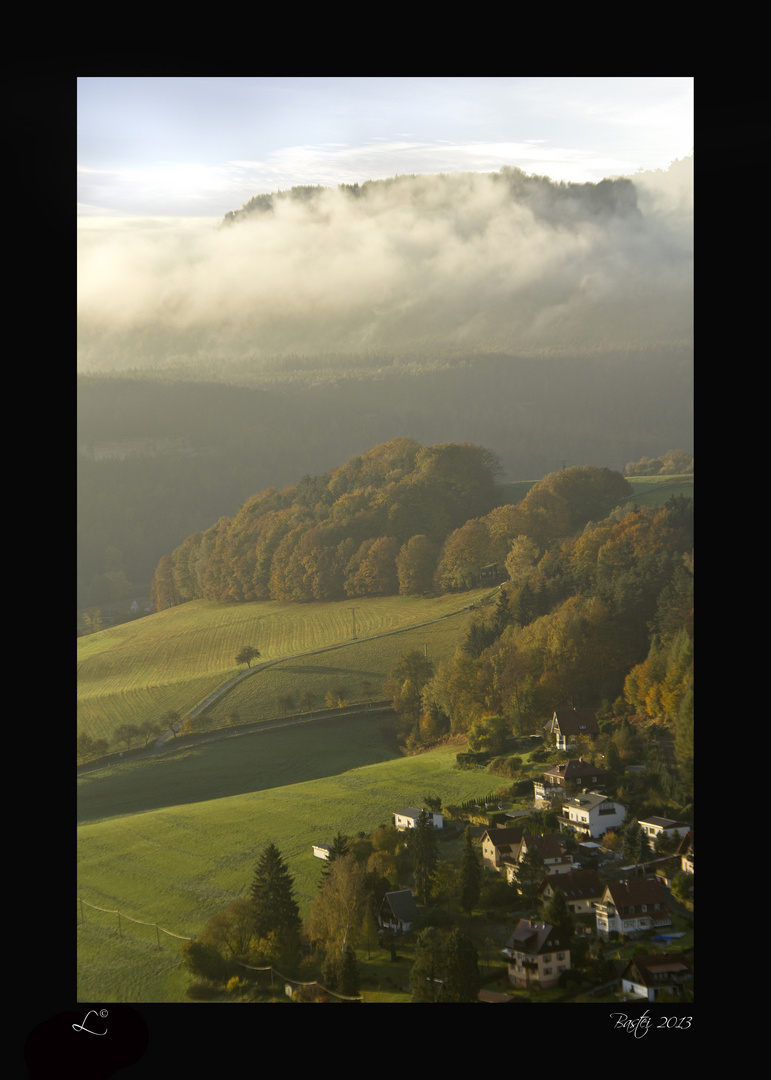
[(416, 564), (247, 654), (231, 931), (339, 908), (127, 733), (488, 735)]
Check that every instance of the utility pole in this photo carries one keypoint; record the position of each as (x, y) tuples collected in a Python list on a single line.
[(353, 616)]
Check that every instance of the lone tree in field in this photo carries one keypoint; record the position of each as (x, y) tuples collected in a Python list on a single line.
[(247, 654), (274, 908)]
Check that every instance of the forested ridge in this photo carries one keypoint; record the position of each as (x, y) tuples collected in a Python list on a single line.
[(599, 617), (163, 454), (595, 605), (373, 527)]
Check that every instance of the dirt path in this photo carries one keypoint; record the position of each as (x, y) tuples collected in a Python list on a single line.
[(311, 652)]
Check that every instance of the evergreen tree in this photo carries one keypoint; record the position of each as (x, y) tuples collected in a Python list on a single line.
[(557, 913), (530, 874), (635, 844), (471, 874), (348, 979), (428, 968), (422, 843), (337, 848), (461, 969), (274, 908)]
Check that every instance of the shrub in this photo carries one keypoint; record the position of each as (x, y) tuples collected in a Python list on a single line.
[(313, 993), (201, 991)]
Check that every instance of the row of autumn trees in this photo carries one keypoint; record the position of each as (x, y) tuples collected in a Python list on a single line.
[(375, 526), (264, 929), (402, 518)]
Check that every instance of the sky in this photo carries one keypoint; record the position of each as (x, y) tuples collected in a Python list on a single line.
[(198, 147)]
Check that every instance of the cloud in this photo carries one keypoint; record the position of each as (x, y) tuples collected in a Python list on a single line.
[(492, 259)]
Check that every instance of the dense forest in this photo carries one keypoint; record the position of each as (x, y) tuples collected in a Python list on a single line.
[(163, 454), (401, 518), (597, 616)]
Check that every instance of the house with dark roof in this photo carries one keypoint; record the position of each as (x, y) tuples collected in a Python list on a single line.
[(552, 850), (685, 851), (646, 976), (582, 889), (398, 911), (500, 844), (568, 777), (535, 955), (629, 907), (569, 725)]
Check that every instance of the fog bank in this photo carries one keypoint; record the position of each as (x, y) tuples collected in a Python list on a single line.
[(500, 260)]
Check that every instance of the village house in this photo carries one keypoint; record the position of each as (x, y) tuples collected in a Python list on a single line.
[(654, 827), (566, 778), (398, 911), (592, 814), (629, 907), (409, 817), (322, 851), (582, 889), (535, 955), (685, 851), (500, 844), (569, 725), (646, 976), (551, 848)]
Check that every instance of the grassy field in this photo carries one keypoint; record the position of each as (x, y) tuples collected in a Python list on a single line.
[(178, 864), (176, 658), (655, 490), (361, 668)]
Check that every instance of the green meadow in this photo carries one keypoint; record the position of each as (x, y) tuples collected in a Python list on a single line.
[(176, 658), (656, 490), (176, 863)]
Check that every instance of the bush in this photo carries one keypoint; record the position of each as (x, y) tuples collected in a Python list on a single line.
[(204, 961), (314, 993)]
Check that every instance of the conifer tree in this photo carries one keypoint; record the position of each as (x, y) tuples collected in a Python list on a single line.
[(471, 874), (422, 842), (461, 969), (348, 979), (557, 913), (274, 906)]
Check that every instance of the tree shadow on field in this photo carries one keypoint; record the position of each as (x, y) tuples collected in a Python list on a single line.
[(237, 766)]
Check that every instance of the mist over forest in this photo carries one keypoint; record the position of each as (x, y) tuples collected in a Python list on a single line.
[(549, 322), (494, 261)]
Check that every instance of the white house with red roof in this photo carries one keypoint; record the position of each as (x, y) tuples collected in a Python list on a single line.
[(629, 907)]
